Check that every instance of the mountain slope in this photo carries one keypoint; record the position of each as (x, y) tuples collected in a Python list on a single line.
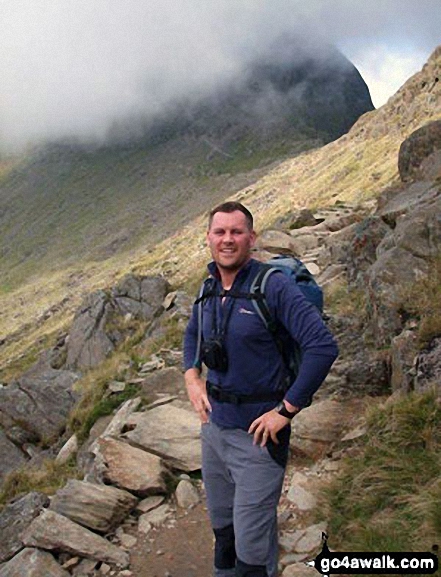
[(67, 203), (358, 166)]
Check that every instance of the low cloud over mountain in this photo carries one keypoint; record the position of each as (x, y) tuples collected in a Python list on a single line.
[(77, 68)]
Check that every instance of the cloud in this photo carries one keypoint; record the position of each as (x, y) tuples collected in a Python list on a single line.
[(75, 67)]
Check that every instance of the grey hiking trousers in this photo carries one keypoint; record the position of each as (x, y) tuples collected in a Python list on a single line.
[(243, 485)]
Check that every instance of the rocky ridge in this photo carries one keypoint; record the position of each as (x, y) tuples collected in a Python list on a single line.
[(90, 526)]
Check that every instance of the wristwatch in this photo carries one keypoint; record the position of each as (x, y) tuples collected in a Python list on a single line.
[(282, 410)]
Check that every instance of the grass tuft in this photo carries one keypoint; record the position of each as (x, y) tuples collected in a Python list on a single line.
[(46, 478), (388, 496), (422, 300)]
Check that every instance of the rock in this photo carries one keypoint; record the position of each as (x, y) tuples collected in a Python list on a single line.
[(277, 242), (85, 568), (419, 232), (14, 518), (187, 495), (32, 563), (364, 371), (39, 402), (129, 468), (144, 526), (116, 387), (155, 364), (331, 275), (288, 540), (110, 426), (150, 503), (416, 148), (394, 204), (299, 495), (141, 296), (53, 531), (171, 432), (121, 417), (299, 570), (169, 380), (105, 569), (352, 435), (428, 365), (362, 247), (169, 300), (94, 333), (98, 507), (11, 457), (292, 558), (296, 220), (315, 428), (306, 240), (157, 517), (311, 538), (404, 349), (67, 451), (88, 343), (394, 269), (127, 541)]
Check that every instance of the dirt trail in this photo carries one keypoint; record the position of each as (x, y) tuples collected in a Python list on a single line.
[(182, 550)]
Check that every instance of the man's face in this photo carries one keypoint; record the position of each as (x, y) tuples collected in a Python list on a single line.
[(230, 240)]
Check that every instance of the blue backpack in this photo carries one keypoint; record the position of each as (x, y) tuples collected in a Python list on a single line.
[(299, 274), (305, 281)]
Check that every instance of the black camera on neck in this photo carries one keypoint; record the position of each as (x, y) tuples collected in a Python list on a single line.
[(214, 354)]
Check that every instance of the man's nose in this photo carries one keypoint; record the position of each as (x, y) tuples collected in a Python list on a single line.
[(228, 237)]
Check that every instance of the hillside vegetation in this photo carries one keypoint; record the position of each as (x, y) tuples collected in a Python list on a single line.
[(358, 166)]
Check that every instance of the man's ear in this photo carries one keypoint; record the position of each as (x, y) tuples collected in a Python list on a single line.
[(253, 238)]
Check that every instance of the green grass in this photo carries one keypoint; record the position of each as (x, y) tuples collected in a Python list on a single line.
[(422, 300), (46, 478), (388, 496)]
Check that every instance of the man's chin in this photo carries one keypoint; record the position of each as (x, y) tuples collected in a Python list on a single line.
[(231, 266)]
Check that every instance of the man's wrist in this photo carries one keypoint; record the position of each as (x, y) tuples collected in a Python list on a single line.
[(286, 409)]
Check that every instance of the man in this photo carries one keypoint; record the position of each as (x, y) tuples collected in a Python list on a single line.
[(244, 411)]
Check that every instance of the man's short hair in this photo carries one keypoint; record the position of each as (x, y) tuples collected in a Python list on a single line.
[(232, 206)]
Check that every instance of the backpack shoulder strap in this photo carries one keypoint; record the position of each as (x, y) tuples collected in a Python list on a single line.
[(258, 290), (206, 290)]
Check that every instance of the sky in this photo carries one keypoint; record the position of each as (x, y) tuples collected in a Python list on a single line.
[(75, 68)]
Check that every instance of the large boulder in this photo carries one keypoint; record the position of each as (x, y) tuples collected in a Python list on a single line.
[(33, 563), (171, 432), (394, 203), (316, 428), (98, 326), (416, 148), (57, 533), (403, 259), (38, 403), (98, 507), (129, 468), (11, 457), (394, 270), (14, 519)]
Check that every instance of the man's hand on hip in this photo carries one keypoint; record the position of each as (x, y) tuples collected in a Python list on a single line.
[(267, 426), (197, 393)]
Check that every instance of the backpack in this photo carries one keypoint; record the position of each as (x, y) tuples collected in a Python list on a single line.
[(299, 274)]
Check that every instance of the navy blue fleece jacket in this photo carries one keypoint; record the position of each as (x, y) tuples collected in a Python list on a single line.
[(254, 363)]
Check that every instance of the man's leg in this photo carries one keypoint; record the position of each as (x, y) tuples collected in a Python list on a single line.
[(219, 489), (258, 485)]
